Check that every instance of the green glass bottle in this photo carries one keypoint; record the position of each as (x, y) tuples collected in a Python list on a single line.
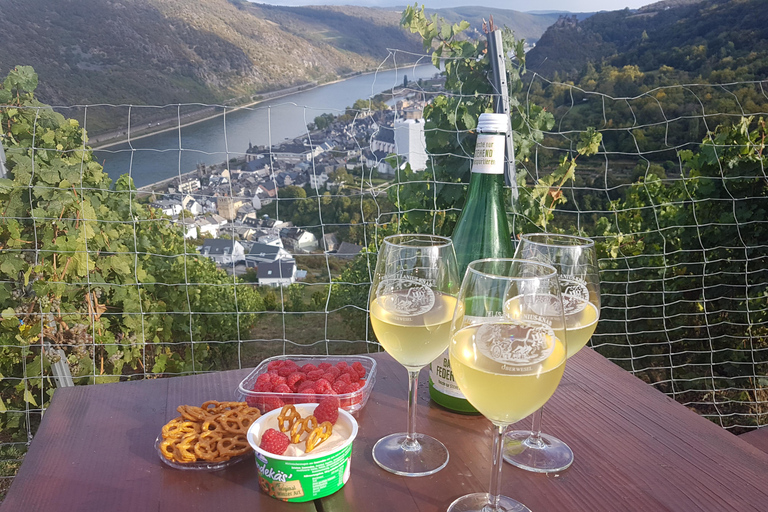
[(482, 231)]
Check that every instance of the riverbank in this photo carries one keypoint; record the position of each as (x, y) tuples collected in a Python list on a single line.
[(209, 112)]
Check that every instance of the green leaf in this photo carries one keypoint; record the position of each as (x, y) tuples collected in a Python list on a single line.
[(29, 398), (12, 264)]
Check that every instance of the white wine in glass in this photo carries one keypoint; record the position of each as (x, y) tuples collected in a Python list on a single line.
[(413, 295), (575, 260), (507, 361)]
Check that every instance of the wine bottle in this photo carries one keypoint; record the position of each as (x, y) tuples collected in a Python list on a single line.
[(482, 231)]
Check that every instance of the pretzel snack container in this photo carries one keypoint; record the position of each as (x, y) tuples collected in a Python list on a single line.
[(297, 476)]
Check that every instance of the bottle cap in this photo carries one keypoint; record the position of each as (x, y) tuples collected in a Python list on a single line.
[(493, 123)]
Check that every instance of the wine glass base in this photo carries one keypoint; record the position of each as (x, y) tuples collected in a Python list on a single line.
[(550, 456), (427, 456), (478, 502)]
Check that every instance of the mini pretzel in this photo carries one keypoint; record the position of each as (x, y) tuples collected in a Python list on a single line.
[(192, 413), (167, 447), (206, 447), (233, 446), (184, 451), (307, 425), (318, 435), (214, 432), (214, 407), (179, 427), (235, 421), (288, 414)]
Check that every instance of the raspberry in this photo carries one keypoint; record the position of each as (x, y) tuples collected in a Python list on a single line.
[(295, 379), (341, 365), (309, 367), (272, 402), (354, 386), (333, 371), (327, 410), (315, 374), (275, 442), (274, 365), (358, 366), (345, 378), (323, 366), (285, 370), (276, 380), (329, 377), (282, 388), (264, 377), (352, 373), (263, 387), (322, 386), (306, 386), (338, 386)]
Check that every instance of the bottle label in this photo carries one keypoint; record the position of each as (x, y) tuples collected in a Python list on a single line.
[(442, 376), (489, 154)]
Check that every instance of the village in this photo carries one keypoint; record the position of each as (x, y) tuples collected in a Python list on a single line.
[(220, 208)]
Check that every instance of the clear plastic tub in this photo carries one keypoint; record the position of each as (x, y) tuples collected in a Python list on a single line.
[(267, 401)]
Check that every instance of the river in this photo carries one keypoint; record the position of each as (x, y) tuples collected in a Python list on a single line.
[(164, 155)]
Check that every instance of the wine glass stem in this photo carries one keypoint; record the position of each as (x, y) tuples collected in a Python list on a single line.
[(413, 386), (495, 488), (535, 437)]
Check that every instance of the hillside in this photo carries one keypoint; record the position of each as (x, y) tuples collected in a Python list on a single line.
[(525, 25), (695, 36), (160, 52), (179, 51)]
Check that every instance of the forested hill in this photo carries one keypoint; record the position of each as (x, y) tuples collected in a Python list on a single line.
[(716, 40), (176, 51), (158, 52), (525, 25)]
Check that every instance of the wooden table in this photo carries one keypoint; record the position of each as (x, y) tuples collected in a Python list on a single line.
[(636, 450)]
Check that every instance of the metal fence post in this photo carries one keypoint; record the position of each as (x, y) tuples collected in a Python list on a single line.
[(501, 103), (2, 161)]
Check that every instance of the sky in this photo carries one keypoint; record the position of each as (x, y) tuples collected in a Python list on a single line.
[(516, 5)]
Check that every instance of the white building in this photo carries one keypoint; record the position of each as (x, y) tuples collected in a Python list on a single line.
[(223, 251), (271, 239), (411, 143), (279, 273), (298, 240), (211, 224), (189, 185), (191, 205), (317, 179), (188, 226), (170, 207)]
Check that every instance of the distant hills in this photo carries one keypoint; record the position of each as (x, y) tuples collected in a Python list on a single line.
[(703, 38), (158, 52)]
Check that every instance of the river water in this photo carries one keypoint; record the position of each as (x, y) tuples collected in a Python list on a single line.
[(164, 155)]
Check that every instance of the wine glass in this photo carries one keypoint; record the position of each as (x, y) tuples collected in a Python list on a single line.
[(413, 295), (575, 259), (507, 353)]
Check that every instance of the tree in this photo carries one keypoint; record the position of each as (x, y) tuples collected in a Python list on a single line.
[(87, 268), (431, 199), (699, 274)]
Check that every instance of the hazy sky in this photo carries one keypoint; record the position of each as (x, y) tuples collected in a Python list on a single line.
[(516, 5)]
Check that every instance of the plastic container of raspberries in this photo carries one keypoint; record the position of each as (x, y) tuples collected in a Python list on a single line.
[(300, 379)]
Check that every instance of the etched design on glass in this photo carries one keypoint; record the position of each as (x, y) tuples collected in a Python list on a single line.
[(575, 293), (406, 296), (515, 343)]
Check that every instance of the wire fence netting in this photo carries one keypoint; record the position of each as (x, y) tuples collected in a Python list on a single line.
[(262, 238)]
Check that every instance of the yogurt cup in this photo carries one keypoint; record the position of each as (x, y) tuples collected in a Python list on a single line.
[(296, 476)]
